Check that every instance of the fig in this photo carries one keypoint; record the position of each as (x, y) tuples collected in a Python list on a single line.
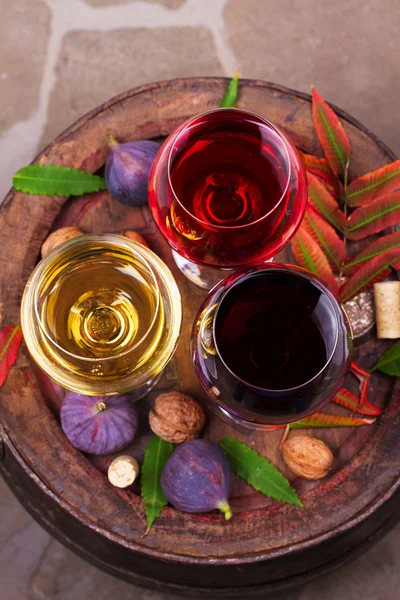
[(127, 170), (98, 424), (197, 478)]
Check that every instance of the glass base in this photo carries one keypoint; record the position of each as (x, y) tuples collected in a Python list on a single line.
[(203, 277), (144, 389), (241, 424)]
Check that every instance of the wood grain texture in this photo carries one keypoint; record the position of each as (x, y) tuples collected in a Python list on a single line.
[(83, 506)]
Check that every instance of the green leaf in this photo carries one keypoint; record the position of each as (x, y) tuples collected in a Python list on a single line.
[(389, 362), (156, 455), (259, 472), (53, 180), (230, 97)]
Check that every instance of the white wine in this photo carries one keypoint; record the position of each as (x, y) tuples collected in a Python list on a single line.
[(104, 314)]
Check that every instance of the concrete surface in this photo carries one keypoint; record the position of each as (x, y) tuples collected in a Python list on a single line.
[(60, 58)]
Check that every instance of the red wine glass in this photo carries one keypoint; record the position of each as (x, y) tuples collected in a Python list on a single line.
[(227, 189), (271, 345)]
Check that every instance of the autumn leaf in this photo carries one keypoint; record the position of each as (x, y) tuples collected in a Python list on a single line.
[(308, 254), (324, 203), (324, 234), (377, 247), (379, 214), (326, 420), (373, 185), (352, 402), (331, 134), (371, 272), (10, 339), (321, 169)]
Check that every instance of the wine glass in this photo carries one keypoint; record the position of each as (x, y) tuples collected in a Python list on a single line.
[(271, 345), (227, 189), (101, 314)]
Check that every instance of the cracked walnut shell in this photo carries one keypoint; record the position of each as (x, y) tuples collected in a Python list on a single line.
[(176, 417), (307, 457)]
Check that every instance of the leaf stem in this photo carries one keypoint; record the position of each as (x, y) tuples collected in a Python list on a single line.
[(284, 436), (345, 180)]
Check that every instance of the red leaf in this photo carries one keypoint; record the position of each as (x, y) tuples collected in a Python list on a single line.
[(324, 202), (326, 420), (10, 339), (382, 244), (373, 185), (309, 255), (379, 214), (325, 236), (359, 372), (321, 169), (331, 135), (371, 272), (351, 401)]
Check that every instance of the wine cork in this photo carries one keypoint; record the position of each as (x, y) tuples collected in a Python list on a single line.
[(123, 471), (387, 309)]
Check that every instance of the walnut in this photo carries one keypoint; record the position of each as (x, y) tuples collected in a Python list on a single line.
[(176, 417), (136, 237), (58, 237), (123, 471), (307, 457)]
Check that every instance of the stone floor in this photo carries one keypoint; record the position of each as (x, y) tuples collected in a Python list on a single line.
[(60, 58)]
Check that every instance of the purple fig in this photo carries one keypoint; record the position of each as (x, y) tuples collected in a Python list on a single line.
[(98, 424), (197, 478), (127, 170)]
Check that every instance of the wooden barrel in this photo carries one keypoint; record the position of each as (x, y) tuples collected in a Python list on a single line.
[(267, 545)]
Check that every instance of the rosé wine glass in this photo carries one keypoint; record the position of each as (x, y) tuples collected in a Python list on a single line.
[(271, 345), (227, 189)]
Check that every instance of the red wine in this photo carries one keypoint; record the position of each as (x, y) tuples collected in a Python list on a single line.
[(270, 330), (227, 189), (228, 178), (271, 345)]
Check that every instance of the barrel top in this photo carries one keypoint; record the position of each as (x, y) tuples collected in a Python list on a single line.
[(366, 468)]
